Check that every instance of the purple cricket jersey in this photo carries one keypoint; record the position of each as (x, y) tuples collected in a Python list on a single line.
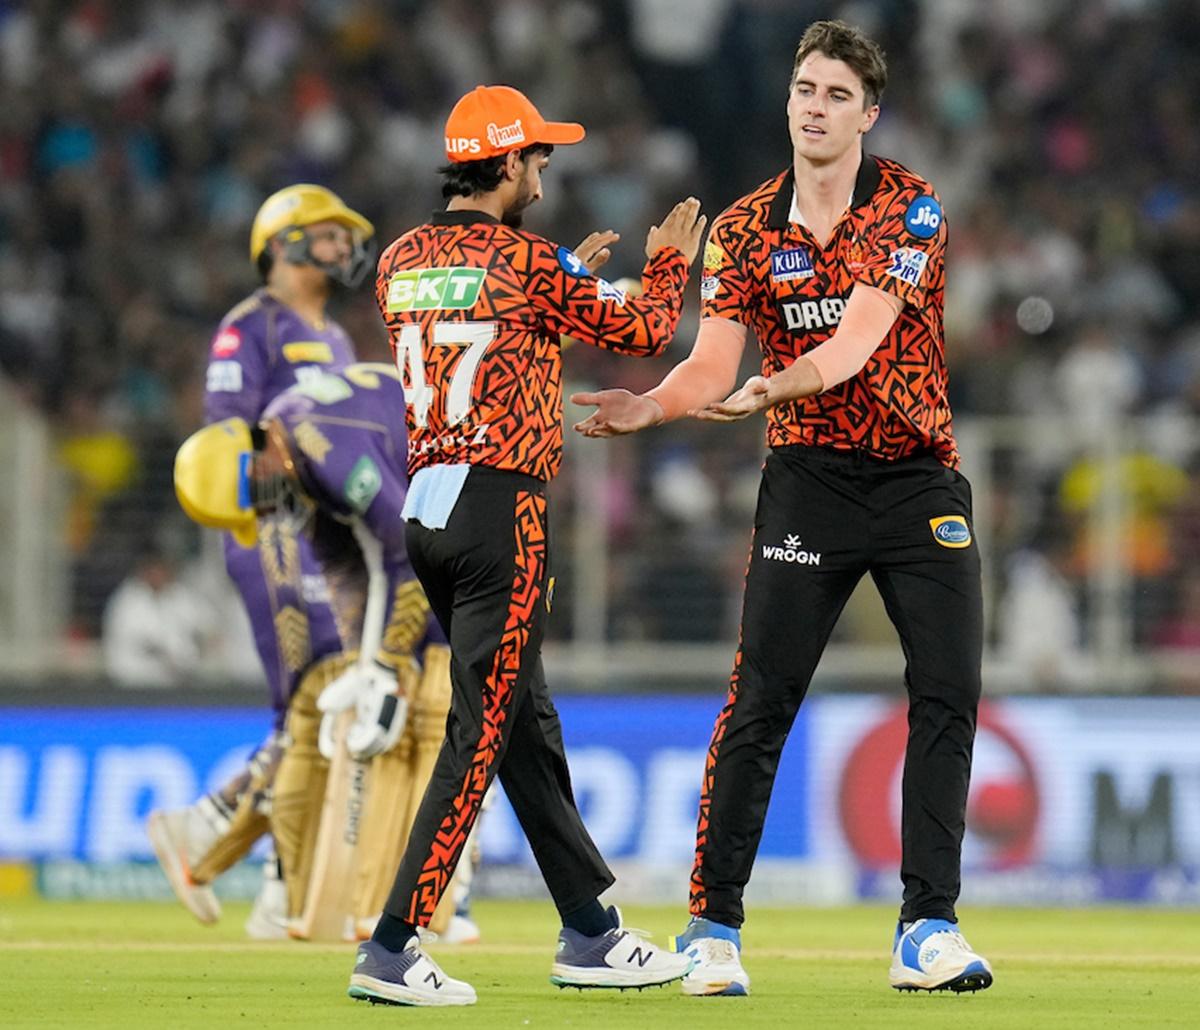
[(349, 441), (260, 349)]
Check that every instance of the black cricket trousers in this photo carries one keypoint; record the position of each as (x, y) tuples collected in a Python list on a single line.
[(825, 518), (486, 577)]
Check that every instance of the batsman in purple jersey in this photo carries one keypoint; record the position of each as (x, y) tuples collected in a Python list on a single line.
[(304, 241), (262, 348), (326, 463), (343, 439)]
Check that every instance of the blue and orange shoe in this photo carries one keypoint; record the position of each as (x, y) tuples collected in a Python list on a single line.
[(715, 951), (931, 955)]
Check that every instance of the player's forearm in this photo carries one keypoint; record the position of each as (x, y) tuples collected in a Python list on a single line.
[(707, 374), (869, 316), (657, 310), (799, 380)]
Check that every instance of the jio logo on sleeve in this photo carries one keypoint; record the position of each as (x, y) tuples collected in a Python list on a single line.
[(923, 217)]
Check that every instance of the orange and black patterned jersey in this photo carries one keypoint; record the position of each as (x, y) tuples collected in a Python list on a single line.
[(771, 274), (474, 310)]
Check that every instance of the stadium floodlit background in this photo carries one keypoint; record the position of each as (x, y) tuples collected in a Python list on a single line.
[(137, 139)]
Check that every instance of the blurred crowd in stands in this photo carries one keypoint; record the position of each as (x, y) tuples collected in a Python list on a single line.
[(138, 137)]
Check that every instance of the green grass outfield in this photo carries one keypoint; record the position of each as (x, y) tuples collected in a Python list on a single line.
[(92, 964)]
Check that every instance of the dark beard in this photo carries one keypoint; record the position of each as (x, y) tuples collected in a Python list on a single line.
[(515, 214)]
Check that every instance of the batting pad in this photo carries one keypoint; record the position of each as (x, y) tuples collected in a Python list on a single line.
[(399, 779), (250, 819), (300, 782)]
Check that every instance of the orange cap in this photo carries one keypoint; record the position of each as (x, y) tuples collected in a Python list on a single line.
[(492, 120)]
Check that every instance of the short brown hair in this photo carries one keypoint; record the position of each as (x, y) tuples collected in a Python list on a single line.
[(841, 42)]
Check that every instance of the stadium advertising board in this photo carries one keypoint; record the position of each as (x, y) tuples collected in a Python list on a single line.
[(1072, 800)]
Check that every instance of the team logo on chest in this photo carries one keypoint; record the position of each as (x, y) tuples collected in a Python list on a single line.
[(794, 263)]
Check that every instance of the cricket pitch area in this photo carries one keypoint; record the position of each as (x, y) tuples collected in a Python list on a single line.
[(133, 964)]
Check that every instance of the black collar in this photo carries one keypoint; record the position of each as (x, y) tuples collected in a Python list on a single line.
[(865, 185), (463, 216)]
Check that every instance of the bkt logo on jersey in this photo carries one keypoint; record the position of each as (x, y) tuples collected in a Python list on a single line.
[(428, 289), (787, 265), (923, 217)]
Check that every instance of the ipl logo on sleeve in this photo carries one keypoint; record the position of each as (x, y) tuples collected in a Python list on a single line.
[(907, 265), (608, 291)]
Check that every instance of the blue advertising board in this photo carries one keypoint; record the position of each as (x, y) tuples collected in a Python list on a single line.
[(77, 783)]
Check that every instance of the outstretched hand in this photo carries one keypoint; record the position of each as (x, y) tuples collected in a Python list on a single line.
[(595, 250), (752, 397), (683, 228), (617, 412)]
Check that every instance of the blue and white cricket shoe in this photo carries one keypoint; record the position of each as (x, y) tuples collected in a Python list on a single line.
[(406, 977), (715, 951), (931, 955), (620, 958)]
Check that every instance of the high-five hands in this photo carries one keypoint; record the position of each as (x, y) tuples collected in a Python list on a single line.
[(751, 398), (617, 412), (683, 229), (595, 250)]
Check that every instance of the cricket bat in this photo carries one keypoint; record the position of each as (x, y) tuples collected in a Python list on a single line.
[(329, 904)]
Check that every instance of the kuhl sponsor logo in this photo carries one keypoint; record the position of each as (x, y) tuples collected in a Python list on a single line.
[(787, 265)]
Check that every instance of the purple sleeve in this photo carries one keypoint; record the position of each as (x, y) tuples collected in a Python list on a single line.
[(361, 473), (235, 381)]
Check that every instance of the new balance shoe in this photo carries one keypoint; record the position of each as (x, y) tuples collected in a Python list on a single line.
[(180, 838), (931, 955), (407, 977), (620, 957), (715, 951)]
